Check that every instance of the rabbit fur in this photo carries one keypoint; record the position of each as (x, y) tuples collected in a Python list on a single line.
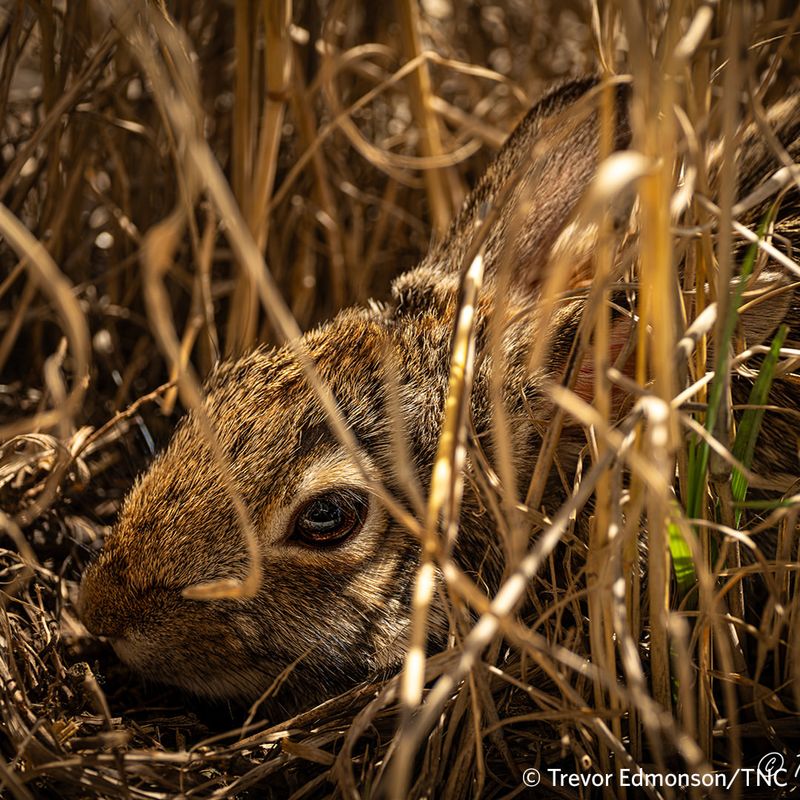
[(340, 614)]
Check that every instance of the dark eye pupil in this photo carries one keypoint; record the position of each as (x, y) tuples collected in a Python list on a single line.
[(322, 516), (330, 518)]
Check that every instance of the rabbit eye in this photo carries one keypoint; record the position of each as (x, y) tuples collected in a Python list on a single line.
[(329, 518)]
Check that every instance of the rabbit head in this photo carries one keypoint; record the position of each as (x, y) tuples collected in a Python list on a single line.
[(333, 604)]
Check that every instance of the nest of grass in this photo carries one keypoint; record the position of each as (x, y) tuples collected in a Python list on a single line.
[(347, 135)]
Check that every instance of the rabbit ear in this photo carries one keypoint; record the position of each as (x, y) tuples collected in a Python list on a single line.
[(620, 334), (565, 331), (536, 181), (528, 196), (767, 303), (557, 155)]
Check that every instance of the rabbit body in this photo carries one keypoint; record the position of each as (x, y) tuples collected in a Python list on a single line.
[(338, 612)]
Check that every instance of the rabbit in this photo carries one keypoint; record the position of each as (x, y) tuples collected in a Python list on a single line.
[(338, 571)]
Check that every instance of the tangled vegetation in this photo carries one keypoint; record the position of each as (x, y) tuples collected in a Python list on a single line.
[(178, 176)]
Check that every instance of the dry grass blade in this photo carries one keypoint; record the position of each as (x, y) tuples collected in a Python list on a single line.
[(503, 604), (52, 281), (439, 196), (575, 432), (206, 172), (444, 502)]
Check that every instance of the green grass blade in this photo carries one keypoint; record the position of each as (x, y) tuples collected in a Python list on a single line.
[(697, 475), (699, 451), (682, 561), (749, 427)]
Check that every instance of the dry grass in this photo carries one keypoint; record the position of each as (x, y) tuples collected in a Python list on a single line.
[(142, 192)]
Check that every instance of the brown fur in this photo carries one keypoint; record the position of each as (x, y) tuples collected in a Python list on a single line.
[(341, 613)]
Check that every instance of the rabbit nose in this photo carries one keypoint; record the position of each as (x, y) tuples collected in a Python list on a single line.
[(102, 605)]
